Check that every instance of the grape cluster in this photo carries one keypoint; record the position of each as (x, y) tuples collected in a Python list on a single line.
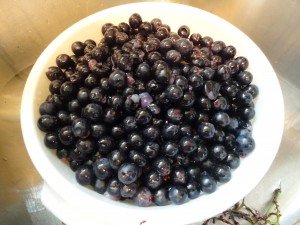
[(149, 114)]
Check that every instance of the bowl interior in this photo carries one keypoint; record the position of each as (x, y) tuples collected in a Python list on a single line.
[(267, 127)]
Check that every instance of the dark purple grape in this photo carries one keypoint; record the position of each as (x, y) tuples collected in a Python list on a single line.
[(85, 175), (173, 57), (245, 144), (117, 79), (123, 146), (196, 38), (74, 106), (128, 173), (206, 41), (67, 89), (52, 141), (217, 47), (187, 145), (190, 115), (100, 186), (202, 117), (162, 165), (143, 117), (124, 27), (81, 128), (98, 130), (184, 31), (145, 28), (229, 52), (102, 169), (252, 89), (200, 154), (244, 98), (174, 93), (105, 145), (114, 187), (160, 197), (135, 20), (206, 130), (48, 108), (223, 72), (244, 77), (63, 61), (177, 195), (232, 160), (233, 66), (218, 152), (121, 38), (117, 132), (143, 197), (111, 116), (170, 149), (151, 45), (185, 130), (47, 123), (221, 173), (211, 89), (129, 124), (153, 180), (220, 103), (203, 103), (184, 46), (92, 112), (221, 119), (129, 190), (116, 102), (179, 176), (138, 158), (105, 27), (196, 81), (151, 133), (143, 71), (62, 153), (229, 90), (162, 33), (193, 172), (156, 23), (154, 108), (85, 147), (207, 183), (74, 165), (242, 62), (171, 131), (247, 113), (151, 149), (208, 73), (192, 188), (116, 159), (54, 86), (54, 73), (174, 115), (181, 82), (152, 57)]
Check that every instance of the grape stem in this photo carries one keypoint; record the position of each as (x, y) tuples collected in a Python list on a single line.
[(241, 213)]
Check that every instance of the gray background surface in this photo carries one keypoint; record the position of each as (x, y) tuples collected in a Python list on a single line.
[(27, 27)]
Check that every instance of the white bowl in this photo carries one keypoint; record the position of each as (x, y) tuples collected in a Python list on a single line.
[(267, 127)]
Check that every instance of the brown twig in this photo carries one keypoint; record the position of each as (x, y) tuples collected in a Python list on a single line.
[(247, 214)]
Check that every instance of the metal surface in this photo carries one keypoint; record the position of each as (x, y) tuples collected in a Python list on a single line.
[(27, 27)]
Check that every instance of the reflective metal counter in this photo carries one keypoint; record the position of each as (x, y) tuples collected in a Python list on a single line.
[(27, 27)]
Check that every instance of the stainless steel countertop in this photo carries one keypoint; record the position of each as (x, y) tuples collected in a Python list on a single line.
[(27, 27)]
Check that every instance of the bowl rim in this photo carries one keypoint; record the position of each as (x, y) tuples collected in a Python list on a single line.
[(66, 189)]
